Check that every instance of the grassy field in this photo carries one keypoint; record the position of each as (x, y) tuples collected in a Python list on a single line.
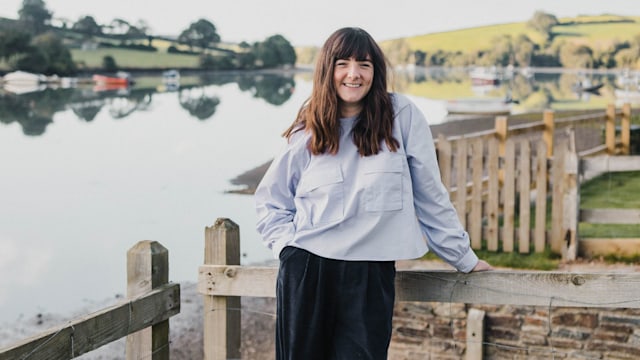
[(134, 59), (597, 31)]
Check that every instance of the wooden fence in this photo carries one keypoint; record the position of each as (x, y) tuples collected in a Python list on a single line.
[(143, 318), (222, 282), (501, 180), (593, 247)]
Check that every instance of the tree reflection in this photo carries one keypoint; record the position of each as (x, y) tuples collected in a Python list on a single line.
[(274, 89), (33, 111), (198, 103)]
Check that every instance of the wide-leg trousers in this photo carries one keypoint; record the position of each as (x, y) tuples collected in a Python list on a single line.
[(332, 309)]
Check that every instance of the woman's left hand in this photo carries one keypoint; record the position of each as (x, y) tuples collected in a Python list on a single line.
[(482, 266)]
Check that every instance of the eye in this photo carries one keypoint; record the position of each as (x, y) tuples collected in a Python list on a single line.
[(341, 63)]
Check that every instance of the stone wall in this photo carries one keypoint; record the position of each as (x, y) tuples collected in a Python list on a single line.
[(424, 331)]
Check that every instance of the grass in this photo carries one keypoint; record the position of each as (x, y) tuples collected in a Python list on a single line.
[(533, 261), (612, 190), (135, 58)]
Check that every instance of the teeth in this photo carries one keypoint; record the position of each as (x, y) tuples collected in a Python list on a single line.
[(352, 85)]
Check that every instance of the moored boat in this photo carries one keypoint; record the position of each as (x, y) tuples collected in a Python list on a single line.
[(121, 78), (484, 76), (480, 106)]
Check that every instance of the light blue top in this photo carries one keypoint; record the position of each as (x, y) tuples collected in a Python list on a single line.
[(389, 206)]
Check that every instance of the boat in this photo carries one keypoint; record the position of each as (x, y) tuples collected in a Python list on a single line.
[(484, 76), (586, 86), (170, 80), (171, 77), (24, 78), (121, 79), (480, 106)]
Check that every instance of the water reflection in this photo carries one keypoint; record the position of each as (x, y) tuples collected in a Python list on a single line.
[(534, 90), (35, 110)]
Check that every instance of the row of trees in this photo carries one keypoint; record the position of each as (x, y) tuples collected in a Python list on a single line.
[(519, 50), (34, 43)]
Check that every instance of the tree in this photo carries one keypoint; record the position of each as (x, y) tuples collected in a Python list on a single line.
[(45, 54), (34, 15), (275, 51), (523, 50), (13, 42), (201, 33), (87, 25), (543, 22), (576, 56)]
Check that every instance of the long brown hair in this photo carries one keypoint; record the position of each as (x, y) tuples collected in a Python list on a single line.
[(320, 114)]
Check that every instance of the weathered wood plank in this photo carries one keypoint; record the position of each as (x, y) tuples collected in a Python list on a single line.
[(492, 287), (94, 330), (524, 180), (608, 163), (147, 268), (540, 233), (557, 209), (493, 201), (610, 216), (461, 181), (222, 314), (595, 247), (475, 215), (475, 334), (509, 197), (226, 280)]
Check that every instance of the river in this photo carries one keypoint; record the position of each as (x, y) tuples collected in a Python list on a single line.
[(86, 173)]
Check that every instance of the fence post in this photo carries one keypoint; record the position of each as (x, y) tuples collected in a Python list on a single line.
[(222, 314), (570, 202), (625, 129), (502, 132), (147, 269), (475, 334), (610, 129), (549, 129)]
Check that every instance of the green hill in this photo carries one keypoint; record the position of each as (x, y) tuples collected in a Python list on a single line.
[(599, 32)]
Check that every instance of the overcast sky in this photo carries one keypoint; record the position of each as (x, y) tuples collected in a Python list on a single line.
[(310, 22)]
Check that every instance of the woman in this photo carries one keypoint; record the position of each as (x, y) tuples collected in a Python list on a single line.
[(356, 188)]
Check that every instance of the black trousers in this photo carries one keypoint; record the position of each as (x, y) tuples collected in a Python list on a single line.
[(333, 309)]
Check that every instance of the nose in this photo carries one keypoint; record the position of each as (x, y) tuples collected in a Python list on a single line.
[(354, 72)]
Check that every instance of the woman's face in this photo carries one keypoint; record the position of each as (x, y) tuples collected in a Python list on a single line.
[(352, 79)]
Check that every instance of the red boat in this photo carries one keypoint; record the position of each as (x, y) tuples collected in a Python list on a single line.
[(120, 80)]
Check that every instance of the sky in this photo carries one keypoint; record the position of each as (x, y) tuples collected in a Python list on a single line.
[(311, 22)]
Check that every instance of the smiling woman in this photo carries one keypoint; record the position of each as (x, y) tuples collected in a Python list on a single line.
[(338, 206)]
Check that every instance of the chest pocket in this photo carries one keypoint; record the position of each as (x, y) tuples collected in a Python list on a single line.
[(382, 177), (320, 196)]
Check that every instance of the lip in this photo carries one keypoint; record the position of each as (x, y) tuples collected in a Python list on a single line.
[(352, 85)]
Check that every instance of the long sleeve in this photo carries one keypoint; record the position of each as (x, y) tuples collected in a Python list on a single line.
[(437, 217), (274, 196)]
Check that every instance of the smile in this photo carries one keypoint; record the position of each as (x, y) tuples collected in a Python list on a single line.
[(352, 85)]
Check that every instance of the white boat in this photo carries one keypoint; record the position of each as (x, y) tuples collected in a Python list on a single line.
[(171, 77), (484, 76), (24, 78), (479, 106)]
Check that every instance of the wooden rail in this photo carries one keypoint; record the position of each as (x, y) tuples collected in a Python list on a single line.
[(227, 280), (143, 317)]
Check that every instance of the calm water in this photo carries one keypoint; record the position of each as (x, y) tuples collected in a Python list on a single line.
[(86, 174)]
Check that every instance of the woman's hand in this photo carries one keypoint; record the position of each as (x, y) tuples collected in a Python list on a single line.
[(482, 266)]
